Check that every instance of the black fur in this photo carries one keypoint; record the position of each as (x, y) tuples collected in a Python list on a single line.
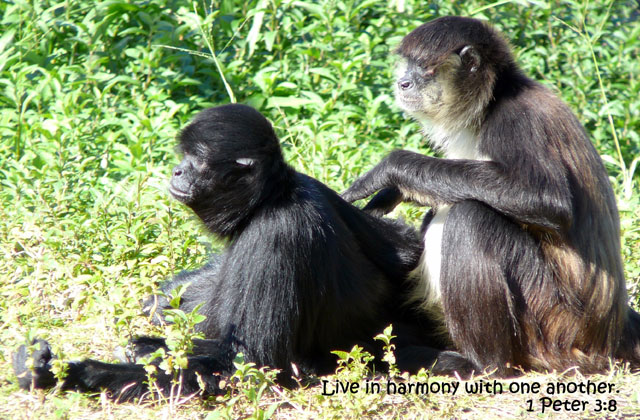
[(531, 274), (304, 272)]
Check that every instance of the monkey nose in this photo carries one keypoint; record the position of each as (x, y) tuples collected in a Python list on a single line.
[(405, 84), (177, 171)]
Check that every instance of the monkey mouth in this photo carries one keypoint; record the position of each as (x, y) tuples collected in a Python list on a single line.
[(409, 103), (178, 194)]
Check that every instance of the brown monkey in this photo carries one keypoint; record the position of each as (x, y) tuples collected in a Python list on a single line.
[(522, 245)]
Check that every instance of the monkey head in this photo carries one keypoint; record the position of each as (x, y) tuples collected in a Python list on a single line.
[(230, 157), (447, 71)]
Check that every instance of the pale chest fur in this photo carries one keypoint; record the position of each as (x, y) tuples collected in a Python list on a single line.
[(454, 144)]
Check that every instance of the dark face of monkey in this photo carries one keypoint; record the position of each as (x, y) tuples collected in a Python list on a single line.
[(230, 155)]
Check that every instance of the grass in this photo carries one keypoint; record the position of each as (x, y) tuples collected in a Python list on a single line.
[(93, 93)]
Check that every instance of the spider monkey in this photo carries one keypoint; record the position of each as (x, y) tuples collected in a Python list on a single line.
[(522, 242)]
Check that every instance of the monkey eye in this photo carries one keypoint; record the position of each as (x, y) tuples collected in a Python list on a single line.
[(427, 71), (199, 163)]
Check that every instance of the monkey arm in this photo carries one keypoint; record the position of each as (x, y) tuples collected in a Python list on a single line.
[(525, 194)]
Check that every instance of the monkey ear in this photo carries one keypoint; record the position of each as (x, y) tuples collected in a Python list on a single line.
[(245, 161), (470, 58)]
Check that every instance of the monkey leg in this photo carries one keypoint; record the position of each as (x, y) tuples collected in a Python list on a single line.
[(488, 264), (125, 381)]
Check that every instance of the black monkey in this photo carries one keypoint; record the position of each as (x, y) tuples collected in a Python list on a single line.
[(522, 245), (304, 272)]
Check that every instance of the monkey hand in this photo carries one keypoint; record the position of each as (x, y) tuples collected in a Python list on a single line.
[(383, 175), (384, 202), (374, 180), (38, 372)]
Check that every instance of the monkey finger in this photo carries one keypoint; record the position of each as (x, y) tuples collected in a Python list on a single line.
[(357, 191)]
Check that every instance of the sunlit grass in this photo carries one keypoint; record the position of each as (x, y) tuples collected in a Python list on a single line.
[(92, 95)]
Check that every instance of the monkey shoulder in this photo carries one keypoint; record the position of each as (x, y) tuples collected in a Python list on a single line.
[(529, 125), (299, 222)]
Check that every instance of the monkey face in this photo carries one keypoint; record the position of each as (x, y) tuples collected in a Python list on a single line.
[(195, 180), (229, 155), (424, 91), (183, 179), (416, 87)]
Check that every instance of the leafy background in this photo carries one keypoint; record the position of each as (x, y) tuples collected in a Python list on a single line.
[(92, 95)]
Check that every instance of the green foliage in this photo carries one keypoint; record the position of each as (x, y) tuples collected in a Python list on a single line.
[(180, 326), (388, 348), (353, 365), (247, 387), (92, 95), (179, 332)]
